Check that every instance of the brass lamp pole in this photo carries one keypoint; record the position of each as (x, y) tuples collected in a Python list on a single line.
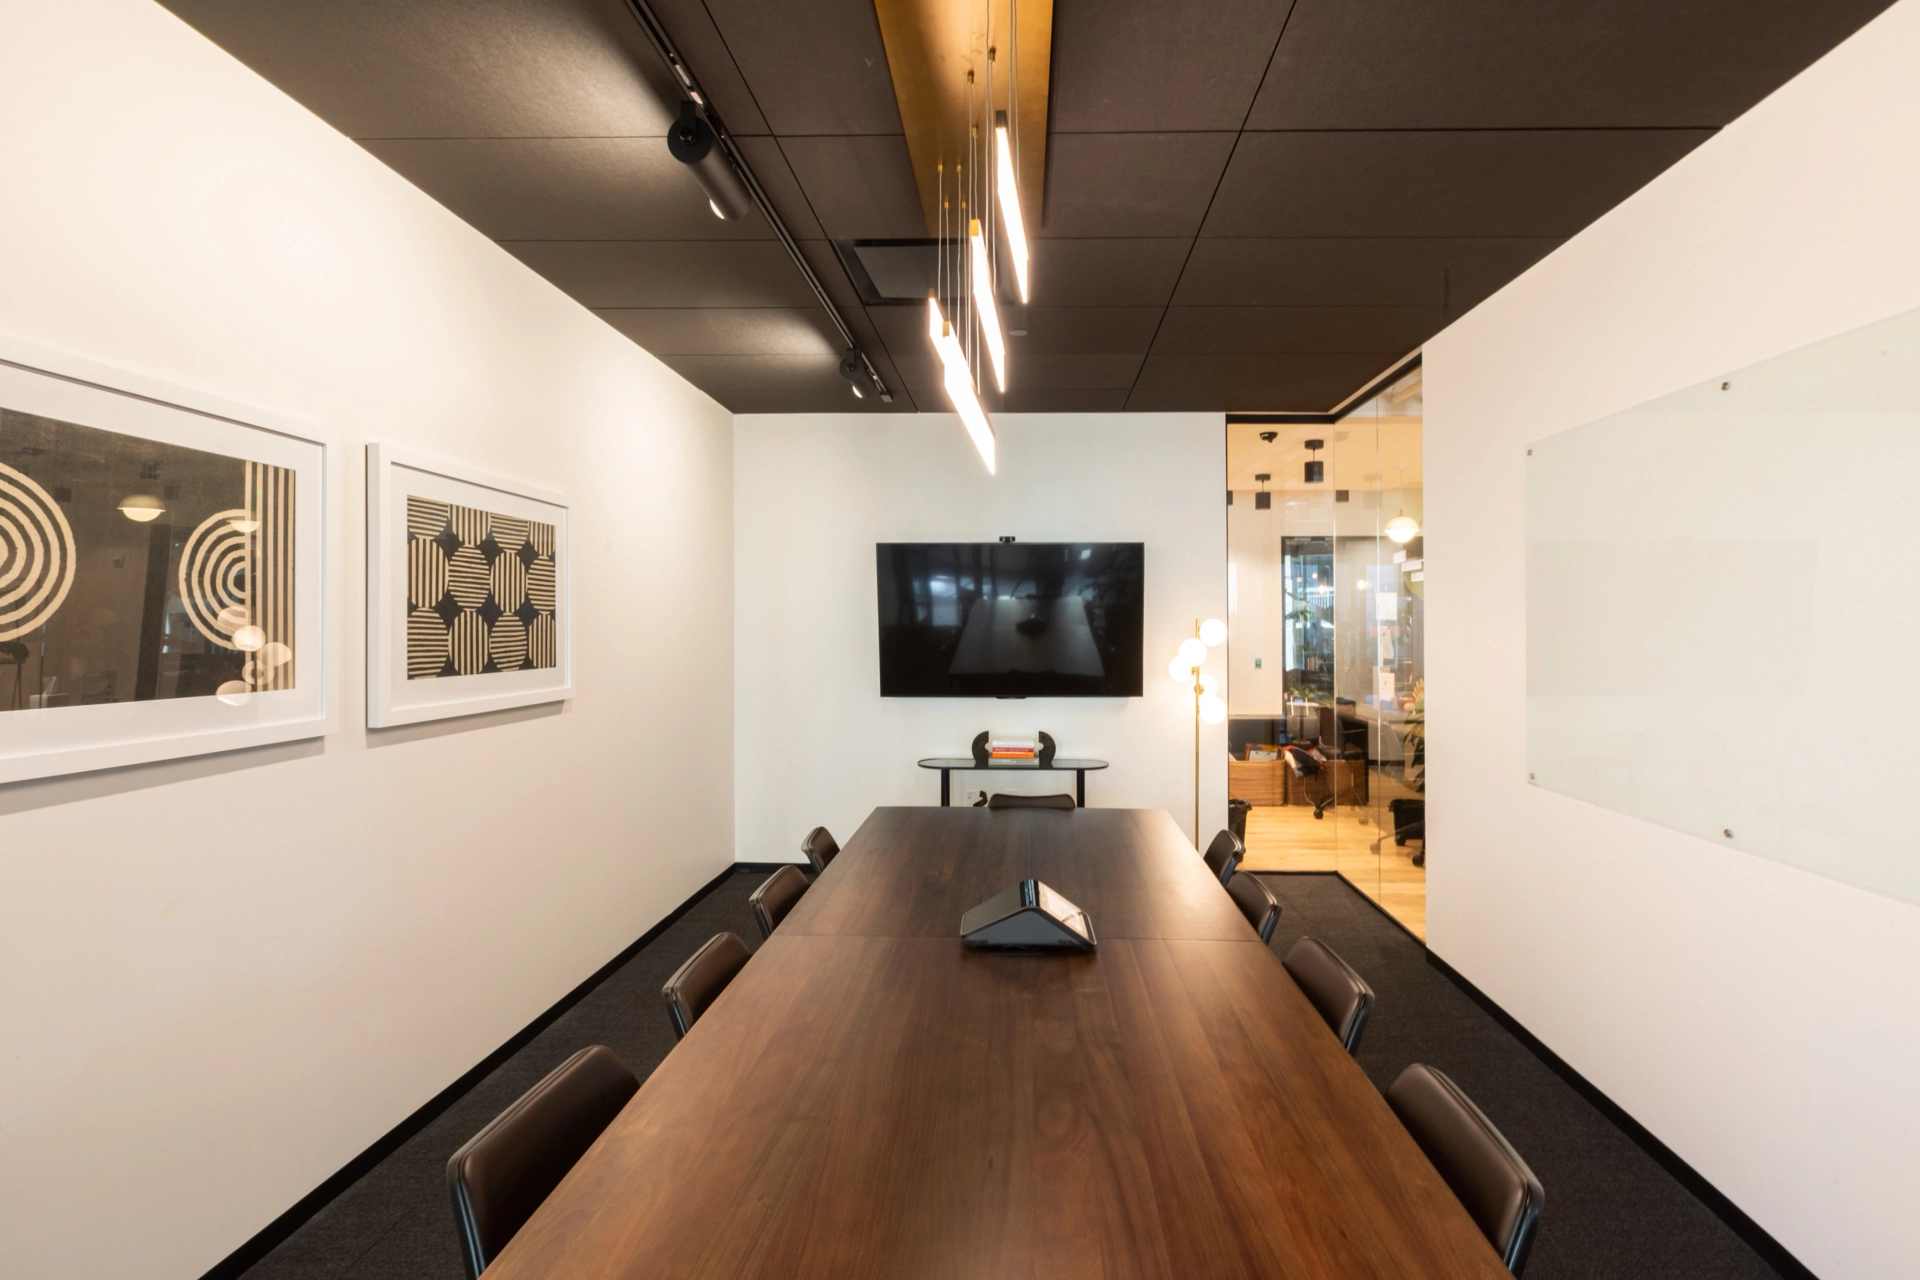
[(1207, 705)]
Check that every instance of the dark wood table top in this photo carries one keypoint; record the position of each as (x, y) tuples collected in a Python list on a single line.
[(871, 1099)]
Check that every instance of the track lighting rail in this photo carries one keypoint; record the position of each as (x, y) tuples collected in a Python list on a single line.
[(690, 85)]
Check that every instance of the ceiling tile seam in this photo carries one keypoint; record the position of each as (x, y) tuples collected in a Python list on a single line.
[(1252, 99), (746, 85)]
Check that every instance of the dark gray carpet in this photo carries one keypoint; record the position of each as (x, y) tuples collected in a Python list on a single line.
[(1611, 1211)]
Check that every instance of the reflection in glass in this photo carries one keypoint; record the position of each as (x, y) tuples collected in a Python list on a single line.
[(132, 570)]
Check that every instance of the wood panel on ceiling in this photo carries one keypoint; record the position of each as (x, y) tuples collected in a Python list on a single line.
[(931, 45)]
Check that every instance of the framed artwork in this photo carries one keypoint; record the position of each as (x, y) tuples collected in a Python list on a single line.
[(167, 570), (468, 606)]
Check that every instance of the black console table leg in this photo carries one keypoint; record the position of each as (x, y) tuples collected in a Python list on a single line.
[(946, 789), (1080, 787)]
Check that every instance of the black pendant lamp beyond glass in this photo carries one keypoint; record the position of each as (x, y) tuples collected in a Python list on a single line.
[(1262, 501), (1316, 469), (693, 144)]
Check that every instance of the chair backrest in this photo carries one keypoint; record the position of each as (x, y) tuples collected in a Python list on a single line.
[(773, 899), (820, 848), (1256, 902), (1006, 800), (699, 982), (1224, 854), (1485, 1172), (504, 1172), (1340, 994)]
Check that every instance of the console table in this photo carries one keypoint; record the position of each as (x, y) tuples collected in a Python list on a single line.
[(947, 765)]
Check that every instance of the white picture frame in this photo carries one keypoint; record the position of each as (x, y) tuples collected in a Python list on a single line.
[(395, 475), (42, 741)]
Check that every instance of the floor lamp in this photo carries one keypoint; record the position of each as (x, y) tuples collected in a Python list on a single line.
[(1208, 705)]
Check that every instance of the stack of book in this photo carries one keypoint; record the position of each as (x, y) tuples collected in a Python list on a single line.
[(1013, 746)]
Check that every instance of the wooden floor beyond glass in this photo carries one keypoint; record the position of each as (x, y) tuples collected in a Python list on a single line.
[(1288, 838)]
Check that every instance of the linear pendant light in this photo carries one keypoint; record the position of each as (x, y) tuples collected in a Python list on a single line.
[(959, 382), (983, 299), (1010, 203)]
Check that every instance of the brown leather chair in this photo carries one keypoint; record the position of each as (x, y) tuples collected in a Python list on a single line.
[(820, 848), (699, 982), (1485, 1172), (1006, 800), (772, 900), (1256, 902), (1340, 994), (504, 1172), (1224, 854)]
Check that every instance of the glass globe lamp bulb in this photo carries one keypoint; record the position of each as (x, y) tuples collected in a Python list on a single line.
[(1213, 632), (1208, 686), (1193, 652), (1402, 528), (1212, 709), (1180, 671)]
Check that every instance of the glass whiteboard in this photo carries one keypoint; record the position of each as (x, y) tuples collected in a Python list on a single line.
[(1723, 622)]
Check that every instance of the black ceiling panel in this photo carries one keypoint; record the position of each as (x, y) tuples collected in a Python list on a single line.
[(1314, 187), (1074, 331), (860, 188), (769, 165), (1412, 272), (1437, 183), (816, 66), (1329, 330), (668, 273), (1066, 400), (564, 188), (1131, 184), (1146, 66), (774, 384), (699, 42), (1492, 64), (450, 68), (728, 331), (1107, 273), (1277, 383)]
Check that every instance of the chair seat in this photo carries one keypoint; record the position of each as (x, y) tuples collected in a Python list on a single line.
[(1007, 800)]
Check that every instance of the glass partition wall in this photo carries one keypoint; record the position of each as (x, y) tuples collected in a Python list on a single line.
[(1326, 680)]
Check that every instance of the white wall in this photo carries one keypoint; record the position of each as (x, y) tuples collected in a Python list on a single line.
[(1757, 1018), (814, 493), (194, 1032)]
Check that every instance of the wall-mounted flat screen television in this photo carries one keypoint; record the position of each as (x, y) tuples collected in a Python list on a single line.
[(1010, 619)]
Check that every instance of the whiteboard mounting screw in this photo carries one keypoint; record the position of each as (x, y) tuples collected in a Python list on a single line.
[(1726, 386), (1727, 832), (1529, 453), (1529, 777)]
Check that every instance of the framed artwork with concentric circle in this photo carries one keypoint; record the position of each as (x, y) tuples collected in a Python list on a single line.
[(165, 570), (467, 601)]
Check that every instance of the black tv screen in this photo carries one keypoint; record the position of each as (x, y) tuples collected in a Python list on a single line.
[(1010, 619)]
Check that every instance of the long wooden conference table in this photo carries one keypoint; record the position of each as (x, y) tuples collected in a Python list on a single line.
[(869, 1098)]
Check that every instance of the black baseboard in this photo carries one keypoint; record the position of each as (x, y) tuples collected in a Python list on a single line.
[(264, 1241), (1772, 1251)]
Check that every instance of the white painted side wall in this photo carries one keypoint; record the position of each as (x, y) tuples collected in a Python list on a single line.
[(814, 493), (1758, 1019), (222, 978)]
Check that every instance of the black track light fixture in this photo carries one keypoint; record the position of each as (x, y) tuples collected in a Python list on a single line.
[(1316, 469), (1269, 436), (1262, 501), (853, 367), (693, 144)]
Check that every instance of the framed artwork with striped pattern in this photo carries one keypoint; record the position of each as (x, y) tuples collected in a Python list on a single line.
[(467, 601), (166, 576)]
